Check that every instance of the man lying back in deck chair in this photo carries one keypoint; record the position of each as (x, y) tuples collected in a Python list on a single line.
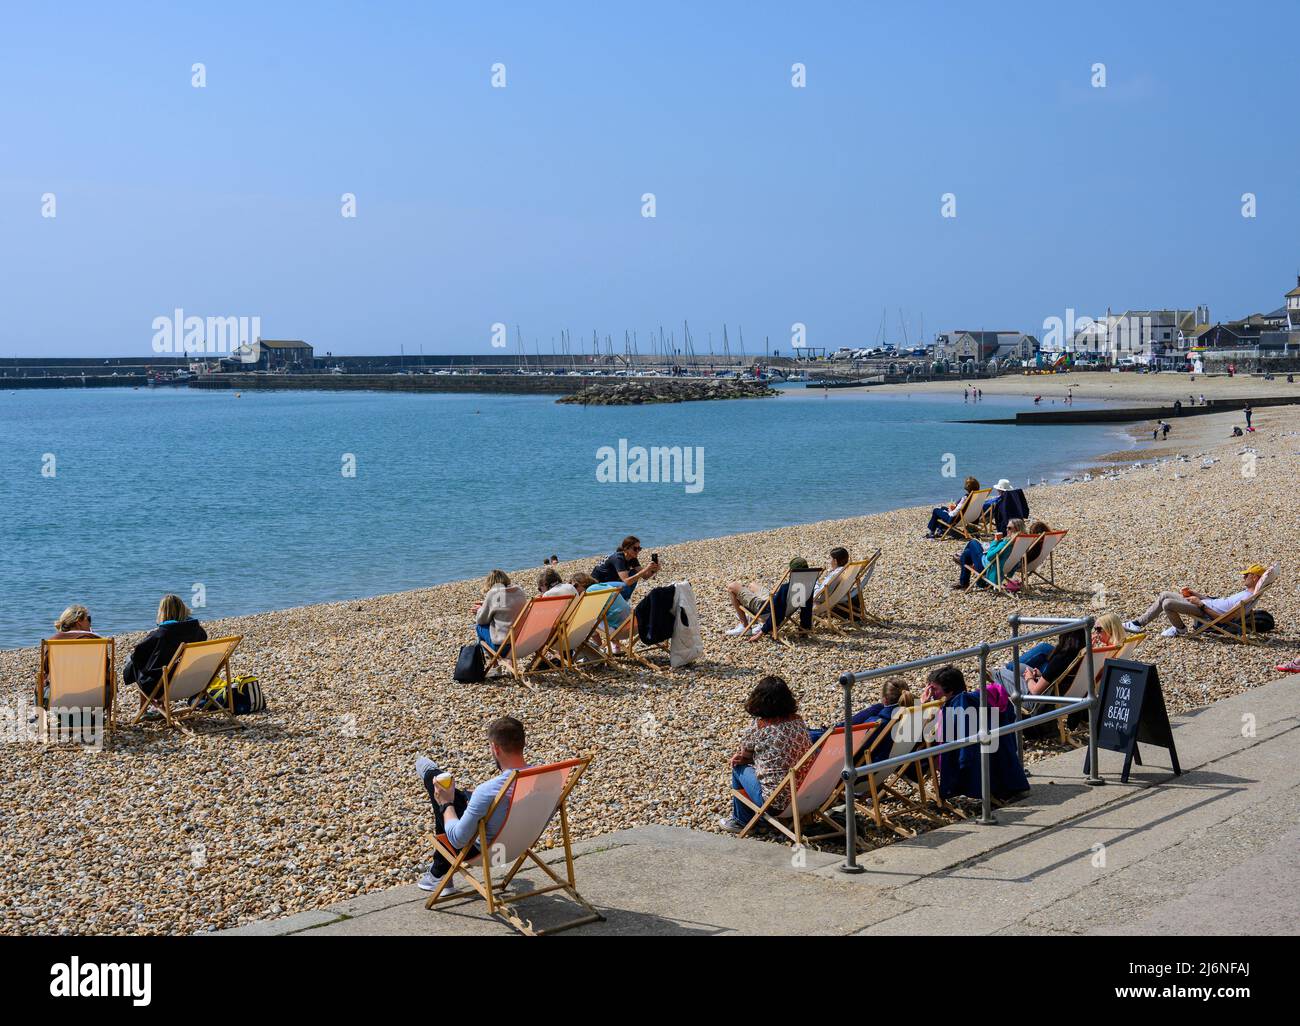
[(749, 600), (457, 812), (1177, 604)]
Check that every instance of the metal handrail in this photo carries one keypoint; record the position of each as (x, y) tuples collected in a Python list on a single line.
[(1053, 627)]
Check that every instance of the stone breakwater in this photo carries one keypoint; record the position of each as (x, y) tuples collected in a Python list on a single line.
[(316, 801), (668, 390)]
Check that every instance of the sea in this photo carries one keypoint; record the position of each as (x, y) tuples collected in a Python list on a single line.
[(255, 501)]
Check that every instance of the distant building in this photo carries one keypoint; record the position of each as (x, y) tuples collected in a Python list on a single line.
[(1142, 336), (1293, 306), (982, 346), (268, 354)]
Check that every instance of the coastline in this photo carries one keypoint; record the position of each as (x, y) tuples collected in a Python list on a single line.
[(316, 800)]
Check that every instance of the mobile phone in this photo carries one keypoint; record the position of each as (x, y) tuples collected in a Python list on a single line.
[(654, 557)]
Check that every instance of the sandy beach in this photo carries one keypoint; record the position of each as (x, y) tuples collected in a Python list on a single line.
[(1128, 387), (316, 799)]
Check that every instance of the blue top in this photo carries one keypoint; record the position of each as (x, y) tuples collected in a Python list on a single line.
[(619, 610), (463, 830)]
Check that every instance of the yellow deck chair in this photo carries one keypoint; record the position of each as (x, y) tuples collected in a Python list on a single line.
[(528, 643), (532, 797), (844, 598), (80, 675), (194, 667), (820, 769), (579, 638), (968, 515), (1237, 622)]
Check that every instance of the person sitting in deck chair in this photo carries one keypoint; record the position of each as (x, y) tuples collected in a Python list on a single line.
[(748, 600), (959, 771), (975, 557), (894, 692), (1006, 503), (549, 582), (175, 627), (619, 610), (502, 603), (457, 812), (839, 560), (1041, 664), (1177, 604), (769, 748), (73, 622), (942, 516)]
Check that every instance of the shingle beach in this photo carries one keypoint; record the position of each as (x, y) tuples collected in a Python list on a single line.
[(315, 800)]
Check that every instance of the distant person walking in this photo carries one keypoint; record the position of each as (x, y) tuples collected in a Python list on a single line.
[(1249, 413), (1164, 428)]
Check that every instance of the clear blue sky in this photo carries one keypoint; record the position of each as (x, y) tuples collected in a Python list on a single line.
[(523, 205)]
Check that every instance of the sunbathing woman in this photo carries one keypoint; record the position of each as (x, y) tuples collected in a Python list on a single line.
[(975, 557), (942, 516), (893, 693), (175, 627)]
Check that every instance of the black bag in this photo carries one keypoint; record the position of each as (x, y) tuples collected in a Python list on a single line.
[(1259, 620), (470, 668)]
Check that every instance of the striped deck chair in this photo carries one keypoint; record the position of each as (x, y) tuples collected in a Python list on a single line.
[(905, 733), (528, 643), (968, 515), (1077, 674), (816, 792), (193, 668), (802, 585), (1000, 570), (579, 641), (532, 797), (1033, 566), (75, 684), (844, 598), (1237, 623)]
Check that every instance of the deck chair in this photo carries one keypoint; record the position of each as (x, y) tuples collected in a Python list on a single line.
[(844, 598), (802, 585), (997, 572), (532, 797), (821, 768), (578, 640), (1237, 623), (80, 674), (531, 637), (191, 670), (968, 515), (905, 733), (1077, 674), (1033, 567)]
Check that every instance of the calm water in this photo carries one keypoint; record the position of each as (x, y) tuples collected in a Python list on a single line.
[(159, 490)]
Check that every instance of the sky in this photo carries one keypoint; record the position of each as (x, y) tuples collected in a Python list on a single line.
[(775, 205)]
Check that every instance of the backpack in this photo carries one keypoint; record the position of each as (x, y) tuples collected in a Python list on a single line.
[(248, 695), (470, 667)]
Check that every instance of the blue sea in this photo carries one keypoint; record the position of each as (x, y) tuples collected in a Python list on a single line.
[(265, 500)]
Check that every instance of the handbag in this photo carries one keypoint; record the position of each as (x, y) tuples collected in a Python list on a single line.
[(470, 668)]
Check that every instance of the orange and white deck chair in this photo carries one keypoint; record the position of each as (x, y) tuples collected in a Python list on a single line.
[(999, 570), (1236, 623), (1034, 564), (905, 733), (819, 783), (80, 675), (1078, 679), (580, 634), (802, 585), (843, 600), (528, 642), (194, 667), (532, 797), (968, 515)]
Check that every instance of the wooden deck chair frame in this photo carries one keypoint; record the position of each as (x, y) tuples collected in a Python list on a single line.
[(44, 676), (768, 608), (795, 831), (852, 607), (1238, 615), (591, 642), (489, 890), (1047, 554), (925, 770), (506, 655), (161, 697), (1020, 546), (963, 525)]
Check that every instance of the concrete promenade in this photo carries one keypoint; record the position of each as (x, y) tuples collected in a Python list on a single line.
[(1212, 851)]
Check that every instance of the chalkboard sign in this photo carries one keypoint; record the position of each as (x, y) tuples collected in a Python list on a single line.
[(1133, 710)]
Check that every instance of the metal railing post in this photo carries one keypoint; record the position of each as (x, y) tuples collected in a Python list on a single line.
[(1094, 714), (986, 782), (850, 784), (1014, 620)]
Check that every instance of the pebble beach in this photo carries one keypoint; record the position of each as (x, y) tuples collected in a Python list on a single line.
[(315, 800)]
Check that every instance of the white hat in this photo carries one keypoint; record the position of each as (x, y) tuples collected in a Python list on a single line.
[(1003, 486)]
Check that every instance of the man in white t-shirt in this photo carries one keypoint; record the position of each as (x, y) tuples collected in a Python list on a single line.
[(1177, 604)]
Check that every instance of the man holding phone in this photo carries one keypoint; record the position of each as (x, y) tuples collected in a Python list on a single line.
[(624, 566)]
